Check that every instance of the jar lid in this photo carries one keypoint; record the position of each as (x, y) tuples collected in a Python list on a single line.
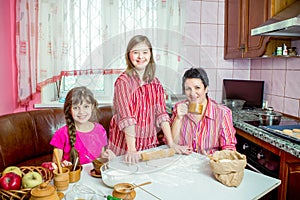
[(43, 190)]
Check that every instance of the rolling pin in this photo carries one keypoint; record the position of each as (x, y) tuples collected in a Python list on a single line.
[(157, 154)]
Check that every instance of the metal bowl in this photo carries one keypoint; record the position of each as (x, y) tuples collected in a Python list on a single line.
[(269, 118), (234, 104)]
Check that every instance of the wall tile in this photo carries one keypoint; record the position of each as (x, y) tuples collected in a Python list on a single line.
[(209, 34), (208, 57), (220, 35), (292, 87), (267, 63), (277, 103), (255, 74), (256, 64), (192, 34), (291, 107), (221, 63), (278, 82), (212, 75), (266, 75), (293, 63), (221, 13), (209, 12), (193, 11), (223, 74), (279, 63), (241, 74)]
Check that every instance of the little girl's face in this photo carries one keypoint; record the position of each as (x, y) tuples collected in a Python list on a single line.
[(140, 56), (81, 113)]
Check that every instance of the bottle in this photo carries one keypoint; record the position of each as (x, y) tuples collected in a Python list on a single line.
[(279, 51), (285, 51)]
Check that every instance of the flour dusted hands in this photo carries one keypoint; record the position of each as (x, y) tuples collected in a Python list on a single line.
[(132, 157), (108, 154), (181, 149)]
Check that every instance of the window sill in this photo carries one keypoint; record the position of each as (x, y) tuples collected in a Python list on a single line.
[(56, 104)]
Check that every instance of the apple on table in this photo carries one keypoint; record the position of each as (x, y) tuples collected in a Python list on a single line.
[(32, 179), (10, 181)]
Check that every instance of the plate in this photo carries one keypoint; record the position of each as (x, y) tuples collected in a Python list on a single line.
[(93, 174)]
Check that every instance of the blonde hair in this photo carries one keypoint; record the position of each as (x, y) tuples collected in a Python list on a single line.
[(149, 73)]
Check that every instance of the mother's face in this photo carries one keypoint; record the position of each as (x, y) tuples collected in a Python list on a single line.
[(194, 90)]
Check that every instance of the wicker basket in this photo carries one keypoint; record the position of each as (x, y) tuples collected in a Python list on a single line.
[(25, 193)]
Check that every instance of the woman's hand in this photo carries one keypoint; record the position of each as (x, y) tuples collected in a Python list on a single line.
[(132, 157), (182, 109)]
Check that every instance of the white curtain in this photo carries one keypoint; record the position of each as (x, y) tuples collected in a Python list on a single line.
[(58, 38)]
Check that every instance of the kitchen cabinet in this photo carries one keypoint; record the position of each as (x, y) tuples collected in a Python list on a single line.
[(243, 15), (289, 168)]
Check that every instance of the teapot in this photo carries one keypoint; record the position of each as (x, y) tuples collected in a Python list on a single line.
[(45, 192)]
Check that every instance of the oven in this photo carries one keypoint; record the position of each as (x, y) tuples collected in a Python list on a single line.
[(260, 160)]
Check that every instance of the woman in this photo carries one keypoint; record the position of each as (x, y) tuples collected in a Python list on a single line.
[(204, 132), (139, 105)]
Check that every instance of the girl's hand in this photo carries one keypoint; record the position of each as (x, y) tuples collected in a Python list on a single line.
[(182, 109), (109, 154), (181, 149), (66, 163), (132, 157)]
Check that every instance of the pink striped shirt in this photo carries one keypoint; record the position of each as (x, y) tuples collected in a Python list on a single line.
[(143, 106), (213, 132)]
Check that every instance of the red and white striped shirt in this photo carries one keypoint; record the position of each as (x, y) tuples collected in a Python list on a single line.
[(143, 106), (213, 132)]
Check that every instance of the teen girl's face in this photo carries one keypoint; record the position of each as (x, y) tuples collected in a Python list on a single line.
[(140, 56), (195, 90), (81, 113)]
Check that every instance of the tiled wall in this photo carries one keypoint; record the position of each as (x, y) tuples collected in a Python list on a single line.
[(205, 25), (282, 82)]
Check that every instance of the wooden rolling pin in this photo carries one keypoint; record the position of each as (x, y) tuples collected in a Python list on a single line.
[(152, 155)]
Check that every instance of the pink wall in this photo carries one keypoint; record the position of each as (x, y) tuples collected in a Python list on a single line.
[(8, 89)]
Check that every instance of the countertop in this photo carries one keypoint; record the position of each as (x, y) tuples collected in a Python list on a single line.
[(182, 177), (239, 119)]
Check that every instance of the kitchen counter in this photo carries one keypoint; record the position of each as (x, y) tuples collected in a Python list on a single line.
[(239, 119)]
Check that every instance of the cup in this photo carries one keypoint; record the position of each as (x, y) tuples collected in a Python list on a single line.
[(74, 176), (97, 163), (195, 108), (61, 180)]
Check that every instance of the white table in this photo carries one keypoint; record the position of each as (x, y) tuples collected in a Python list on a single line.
[(189, 177)]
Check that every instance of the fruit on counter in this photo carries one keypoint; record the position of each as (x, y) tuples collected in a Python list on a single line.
[(14, 169), (11, 181), (31, 179), (49, 165)]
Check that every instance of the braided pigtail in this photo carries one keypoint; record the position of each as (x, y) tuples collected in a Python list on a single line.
[(71, 127)]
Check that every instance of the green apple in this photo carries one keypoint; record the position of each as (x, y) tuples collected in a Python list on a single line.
[(31, 179), (14, 169)]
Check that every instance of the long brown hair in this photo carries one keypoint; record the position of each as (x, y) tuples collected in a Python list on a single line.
[(149, 73), (76, 96)]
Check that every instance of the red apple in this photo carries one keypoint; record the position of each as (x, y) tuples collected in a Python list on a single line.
[(11, 181), (49, 165)]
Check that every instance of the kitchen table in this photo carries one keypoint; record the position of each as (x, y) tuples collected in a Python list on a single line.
[(185, 177)]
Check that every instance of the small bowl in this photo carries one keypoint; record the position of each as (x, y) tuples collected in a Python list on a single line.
[(234, 104), (97, 163), (111, 177)]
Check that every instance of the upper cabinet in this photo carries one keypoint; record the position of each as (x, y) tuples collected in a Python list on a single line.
[(243, 15)]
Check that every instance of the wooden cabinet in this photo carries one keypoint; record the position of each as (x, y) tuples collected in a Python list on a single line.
[(243, 15), (289, 168)]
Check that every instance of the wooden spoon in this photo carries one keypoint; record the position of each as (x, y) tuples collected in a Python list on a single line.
[(55, 151), (131, 187)]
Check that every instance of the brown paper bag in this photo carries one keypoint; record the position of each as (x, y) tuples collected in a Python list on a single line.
[(228, 167)]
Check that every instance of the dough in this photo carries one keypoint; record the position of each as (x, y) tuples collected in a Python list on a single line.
[(296, 130), (287, 131)]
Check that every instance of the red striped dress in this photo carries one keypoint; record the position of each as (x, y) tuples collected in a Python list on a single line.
[(213, 132), (143, 106)]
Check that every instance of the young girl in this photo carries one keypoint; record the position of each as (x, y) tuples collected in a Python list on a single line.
[(80, 136), (139, 105)]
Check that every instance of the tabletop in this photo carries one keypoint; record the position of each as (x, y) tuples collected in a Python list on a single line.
[(184, 177)]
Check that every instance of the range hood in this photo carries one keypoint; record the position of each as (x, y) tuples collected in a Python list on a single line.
[(285, 24)]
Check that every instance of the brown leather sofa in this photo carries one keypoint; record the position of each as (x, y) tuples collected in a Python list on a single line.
[(25, 136)]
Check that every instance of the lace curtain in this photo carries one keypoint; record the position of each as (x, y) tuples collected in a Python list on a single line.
[(73, 37)]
